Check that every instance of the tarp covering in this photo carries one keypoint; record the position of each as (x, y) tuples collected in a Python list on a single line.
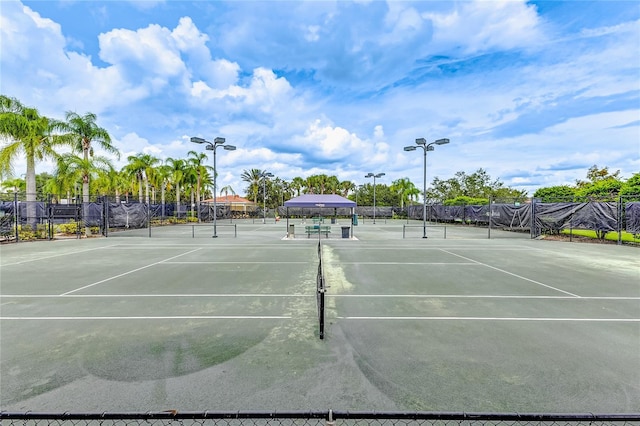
[(319, 200), (632, 216), (592, 215)]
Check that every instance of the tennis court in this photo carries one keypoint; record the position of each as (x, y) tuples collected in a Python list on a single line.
[(188, 322)]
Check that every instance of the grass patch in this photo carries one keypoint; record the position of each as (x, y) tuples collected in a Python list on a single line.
[(609, 236)]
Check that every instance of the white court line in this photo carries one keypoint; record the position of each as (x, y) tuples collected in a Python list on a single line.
[(495, 319), (173, 246), (233, 262), (54, 255), (364, 296), (127, 273), (406, 263), (512, 274), (262, 317), (483, 248), (125, 296), (212, 247), (482, 296)]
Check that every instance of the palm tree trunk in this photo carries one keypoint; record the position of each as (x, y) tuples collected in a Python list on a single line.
[(85, 190), (177, 198), (139, 189), (30, 178), (162, 198)]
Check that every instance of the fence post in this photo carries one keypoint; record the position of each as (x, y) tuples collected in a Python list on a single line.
[(620, 219), (490, 216), (16, 212), (49, 213)]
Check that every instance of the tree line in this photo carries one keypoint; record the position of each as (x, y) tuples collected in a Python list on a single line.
[(600, 184), (81, 174)]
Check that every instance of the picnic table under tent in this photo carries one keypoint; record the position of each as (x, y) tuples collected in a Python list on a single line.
[(315, 202)]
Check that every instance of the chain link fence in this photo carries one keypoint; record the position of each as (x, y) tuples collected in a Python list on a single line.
[(320, 418), (50, 217)]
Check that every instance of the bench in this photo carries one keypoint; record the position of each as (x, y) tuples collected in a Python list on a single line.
[(318, 229)]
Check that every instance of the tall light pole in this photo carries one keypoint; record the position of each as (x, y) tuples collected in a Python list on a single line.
[(212, 146), (264, 176), (422, 143), (374, 176)]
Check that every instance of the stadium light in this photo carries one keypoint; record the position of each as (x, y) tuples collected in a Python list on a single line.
[(264, 177), (212, 146), (374, 176), (422, 143)]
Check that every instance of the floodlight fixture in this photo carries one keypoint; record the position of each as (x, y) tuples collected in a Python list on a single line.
[(422, 143), (211, 146), (374, 176), (264, 175)]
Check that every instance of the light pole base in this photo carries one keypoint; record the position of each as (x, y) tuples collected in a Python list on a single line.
[(424, 236), (215, 236)]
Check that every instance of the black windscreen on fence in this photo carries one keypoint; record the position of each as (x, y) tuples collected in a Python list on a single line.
[(632, 217), (104, 215)]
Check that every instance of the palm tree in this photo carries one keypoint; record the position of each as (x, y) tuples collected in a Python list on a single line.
[(14, 185), (297, 184), (81, 132), (199, 170), (404, 188), (29, 133), (253, 178), (226, 190), (311, 184), (347, 186), (70, 168), (190, 181), (141, 166), (115, 182), (161, 178), (177, 167), (331, 184)]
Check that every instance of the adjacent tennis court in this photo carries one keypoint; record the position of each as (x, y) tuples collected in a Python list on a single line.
[(184, 321)]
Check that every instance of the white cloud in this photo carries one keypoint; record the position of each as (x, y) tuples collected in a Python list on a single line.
[(404, 22), (311, 33), (265, 93), (152, 49), (479, 26)]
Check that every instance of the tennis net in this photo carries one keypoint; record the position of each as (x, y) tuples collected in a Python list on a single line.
[(320, 289)]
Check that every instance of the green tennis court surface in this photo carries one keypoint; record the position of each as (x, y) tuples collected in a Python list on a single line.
[(189, 322)]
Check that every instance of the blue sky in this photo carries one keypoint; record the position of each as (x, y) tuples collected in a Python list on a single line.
[(533, 92)]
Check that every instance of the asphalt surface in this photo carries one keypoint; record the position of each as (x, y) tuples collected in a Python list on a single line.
[(457, 324)]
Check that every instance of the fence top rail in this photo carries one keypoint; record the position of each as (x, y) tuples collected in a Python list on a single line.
[(206, 224), (328, 415), (422, 226)]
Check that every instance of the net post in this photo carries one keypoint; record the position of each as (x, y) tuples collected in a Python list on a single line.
[(330, 420)]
